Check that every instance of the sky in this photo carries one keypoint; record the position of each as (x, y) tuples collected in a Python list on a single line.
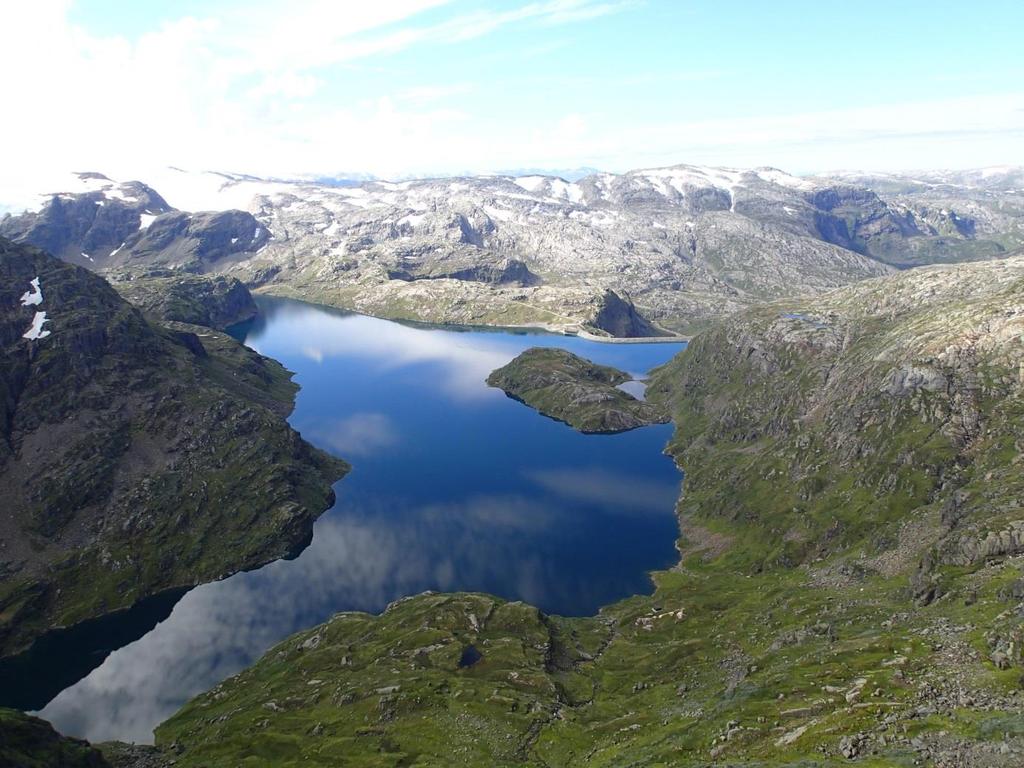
[(400, 88)]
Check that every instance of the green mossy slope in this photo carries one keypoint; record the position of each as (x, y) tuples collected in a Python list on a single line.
[(568, 388), (28, 742)]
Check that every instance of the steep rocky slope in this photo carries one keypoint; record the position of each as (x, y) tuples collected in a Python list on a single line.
[(676, 247), (958, 215), (215, 301), (99, 223), (135, 458), (574, 390), (850, 584)]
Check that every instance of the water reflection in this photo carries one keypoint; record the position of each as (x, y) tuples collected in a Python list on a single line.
[(360, 434), (455, 487)]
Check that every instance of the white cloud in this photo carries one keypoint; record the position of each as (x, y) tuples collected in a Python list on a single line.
[(463, 361), (245, 92), (236, 92)]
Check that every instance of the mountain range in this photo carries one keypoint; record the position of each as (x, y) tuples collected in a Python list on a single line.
[(664, 250)]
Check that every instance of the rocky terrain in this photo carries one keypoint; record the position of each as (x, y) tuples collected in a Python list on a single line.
[(849, 590), (649, 251), (963, 215), (100, 224), (568, 388), (215, 301), (136, 458)]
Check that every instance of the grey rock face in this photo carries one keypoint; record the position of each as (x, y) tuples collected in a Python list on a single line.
[(193, 242), (113, 224), (619, 318), (84, 226), (941, 216), (215, 301)]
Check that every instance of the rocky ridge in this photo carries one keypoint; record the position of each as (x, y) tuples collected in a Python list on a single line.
[(568, 388), (100, 224)]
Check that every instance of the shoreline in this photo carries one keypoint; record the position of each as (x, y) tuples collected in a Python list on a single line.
[(633, 339), (555, 330)]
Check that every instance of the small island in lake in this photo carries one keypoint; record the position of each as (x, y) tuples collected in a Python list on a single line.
[(571, 389)]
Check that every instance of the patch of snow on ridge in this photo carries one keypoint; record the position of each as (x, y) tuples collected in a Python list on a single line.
[(783, 179), (530, 183), (210, 191), (412, 219), (997, 170), (117, 193), (145, 219), (497, 213), (34, 297), (683, 176), (84, 182), (36, 332), (566, 191)]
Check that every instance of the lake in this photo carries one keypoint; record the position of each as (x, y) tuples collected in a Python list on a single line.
[(454, 487)]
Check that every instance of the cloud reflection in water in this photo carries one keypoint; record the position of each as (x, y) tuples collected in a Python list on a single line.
[(357, 562)]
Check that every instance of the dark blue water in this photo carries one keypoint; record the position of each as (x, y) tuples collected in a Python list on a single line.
[(454, 487)]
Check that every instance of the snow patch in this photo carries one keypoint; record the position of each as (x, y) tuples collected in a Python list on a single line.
[(145, 219), (412, 219), (530, 183), (116, 193), (497, 213), (783, 179), (682, 177), (566, 191), (331, 229), (36, 332), (34, 297)]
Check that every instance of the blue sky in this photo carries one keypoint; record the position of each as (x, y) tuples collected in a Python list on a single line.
[(404, 87)]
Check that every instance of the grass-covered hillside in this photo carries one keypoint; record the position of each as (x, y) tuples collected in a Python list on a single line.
[(571, 389)]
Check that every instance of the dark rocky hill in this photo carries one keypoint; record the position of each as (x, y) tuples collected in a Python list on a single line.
[(134, 458)]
